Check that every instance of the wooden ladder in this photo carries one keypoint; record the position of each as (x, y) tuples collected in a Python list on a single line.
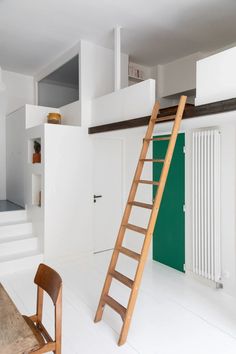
[(126, 313)]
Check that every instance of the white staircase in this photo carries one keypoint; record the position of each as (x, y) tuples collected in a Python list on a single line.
[(19, 248)]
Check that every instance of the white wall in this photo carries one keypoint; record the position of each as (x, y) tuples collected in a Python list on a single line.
[(68, 194), (71, 113), (97, 75), (226, 122), (216, 77), (178, 76), (131, 102), (97, 70), (19, 90), (36, 115), (15, 157)]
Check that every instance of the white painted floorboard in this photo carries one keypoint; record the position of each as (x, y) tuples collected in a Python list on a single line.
[(174, 314)]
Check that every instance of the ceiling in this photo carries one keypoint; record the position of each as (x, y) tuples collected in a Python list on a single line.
[(33, 33)]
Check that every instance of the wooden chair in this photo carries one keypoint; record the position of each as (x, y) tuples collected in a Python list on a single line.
[(50, 281)]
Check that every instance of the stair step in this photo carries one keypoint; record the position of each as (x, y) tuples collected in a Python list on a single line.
[(148, 182), (14, 238), (14, 247), (122, 278), (21, 261), (153, 160), (15, 229), (141, 205), (130, 253), (120, 309), (13, 216), (135, 228)]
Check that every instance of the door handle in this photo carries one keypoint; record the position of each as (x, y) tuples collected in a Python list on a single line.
[(95, 197)]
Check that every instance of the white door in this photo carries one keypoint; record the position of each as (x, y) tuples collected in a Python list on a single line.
[(108, 192)]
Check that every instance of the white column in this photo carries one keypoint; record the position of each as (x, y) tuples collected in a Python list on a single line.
[(117, 57)]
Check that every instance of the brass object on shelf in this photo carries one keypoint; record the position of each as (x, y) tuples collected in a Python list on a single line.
[(54, 118)]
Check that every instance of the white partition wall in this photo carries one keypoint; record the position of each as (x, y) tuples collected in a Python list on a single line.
[(216, 77), (68, 197), (36, 115), (131, 102), (64, 180)]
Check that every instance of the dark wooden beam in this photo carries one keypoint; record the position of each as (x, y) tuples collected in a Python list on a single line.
[(168, 114)]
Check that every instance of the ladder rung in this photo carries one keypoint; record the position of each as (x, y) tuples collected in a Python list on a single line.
[(153, 160), (148, 182), (130, 253), (141, 205), (135, 228), (121, 310), (122, 278), (158, 139)]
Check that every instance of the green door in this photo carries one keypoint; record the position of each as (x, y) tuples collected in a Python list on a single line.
[(169, 233)]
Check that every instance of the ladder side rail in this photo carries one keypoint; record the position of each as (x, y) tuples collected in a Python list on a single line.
[(127, 211)]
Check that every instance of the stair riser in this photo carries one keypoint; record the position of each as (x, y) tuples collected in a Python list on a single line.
[(16, 247), (13, 216), (20, 264), (15, 230)]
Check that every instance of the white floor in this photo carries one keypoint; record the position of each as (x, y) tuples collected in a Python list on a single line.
[(174, 315)]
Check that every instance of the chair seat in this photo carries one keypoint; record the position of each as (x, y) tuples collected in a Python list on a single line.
[(35, 330)]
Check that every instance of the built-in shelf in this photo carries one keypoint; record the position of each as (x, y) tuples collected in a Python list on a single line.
[(36, 190), (31, 150), (35, 168)]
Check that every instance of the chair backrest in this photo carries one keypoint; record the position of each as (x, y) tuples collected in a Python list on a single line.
[(49, 280)]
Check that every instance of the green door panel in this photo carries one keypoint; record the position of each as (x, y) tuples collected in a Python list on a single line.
[(169, 233)]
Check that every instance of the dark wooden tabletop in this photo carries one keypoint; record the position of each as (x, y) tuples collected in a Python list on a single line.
[(16, 336)]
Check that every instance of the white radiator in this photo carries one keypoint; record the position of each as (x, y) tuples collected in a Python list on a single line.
[(206, 204)]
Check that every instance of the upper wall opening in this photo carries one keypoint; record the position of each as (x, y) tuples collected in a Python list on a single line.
[(60, 87)]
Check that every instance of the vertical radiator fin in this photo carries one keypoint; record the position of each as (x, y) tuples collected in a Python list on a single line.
[(206, 204)]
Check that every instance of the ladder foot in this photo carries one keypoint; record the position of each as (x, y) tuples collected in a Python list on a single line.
[(99, 314), (122, 340), (96, 320)]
